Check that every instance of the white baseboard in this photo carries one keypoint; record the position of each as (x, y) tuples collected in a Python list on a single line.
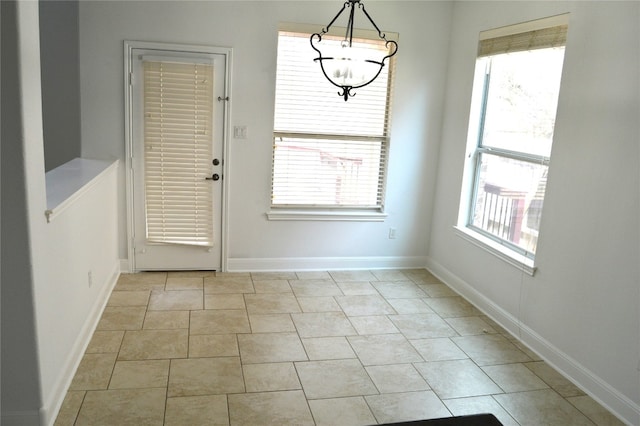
[(125, 267), (585, 379), (323, 263), (50, 409)]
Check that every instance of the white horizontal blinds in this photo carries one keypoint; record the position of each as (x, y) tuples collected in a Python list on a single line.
[(555, 36), (178, 121), (327, 152)]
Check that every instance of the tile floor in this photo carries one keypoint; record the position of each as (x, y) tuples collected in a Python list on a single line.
[(324, 348)]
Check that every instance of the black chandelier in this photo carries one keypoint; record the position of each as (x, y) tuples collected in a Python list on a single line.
[(346, 67)]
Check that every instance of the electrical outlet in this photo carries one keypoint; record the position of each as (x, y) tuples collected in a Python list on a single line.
[(90, 278), (392, 233), (240, 132)]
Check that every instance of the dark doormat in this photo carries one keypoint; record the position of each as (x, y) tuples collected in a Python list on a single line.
[(473, 420)]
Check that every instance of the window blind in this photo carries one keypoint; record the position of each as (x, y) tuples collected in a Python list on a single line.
[(328, 152), (530, 40), (178, 121)]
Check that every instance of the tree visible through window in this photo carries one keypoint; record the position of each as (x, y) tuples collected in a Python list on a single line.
[(327, 153), (520, 82)]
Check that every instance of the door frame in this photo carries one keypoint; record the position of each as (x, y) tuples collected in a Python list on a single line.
[(129, 46)]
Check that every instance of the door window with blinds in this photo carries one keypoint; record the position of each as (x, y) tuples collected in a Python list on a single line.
[(178, 121), (516, 89), (328, 153)]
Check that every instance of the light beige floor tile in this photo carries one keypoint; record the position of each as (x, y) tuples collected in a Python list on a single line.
[(121, 318), (313, 275), (541, 407), (357, 288), (399, 289), (129, 298), (140, 374), (176, 300), (166, 320), (554, 379), (384, 349), (261, 276), (373, 324), (345, 276), (228, 275), (422, 326), (123, 407), (212, 345), (490, 349), (270, 377), (351, 411), (594, 411), (271, 323), (334, 379), (286, 408), (224, 301), (190, 274), (364, 305), (410, 306), (438, 290), (422, 276), (141, 281), (270, 347), (228, 284), (282, 303), (402, 407), (467, 326), (272, 286), (390, 275), (322, 324), (457, 379), (530, 353), (205, 376), (448, 307), (184, 283), (477, 405), (315, 288), (442, 349), (220, 321), (154, 344), (397, 378), (197, 410), (324, 348), (318, 304), (94, 372), (514, 377), (105, 342), (70, 408)]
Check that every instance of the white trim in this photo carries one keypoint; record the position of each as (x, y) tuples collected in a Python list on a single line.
[(124, 266), (50, 409), (328, 215), (502, 252), (324, 263), (596, 387), (68, 182)]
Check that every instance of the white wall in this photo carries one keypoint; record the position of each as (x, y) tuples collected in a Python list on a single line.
[(581, 309), (250, 29)]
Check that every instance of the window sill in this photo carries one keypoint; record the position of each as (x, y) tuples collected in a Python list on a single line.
[(514, 259), (330, 215)]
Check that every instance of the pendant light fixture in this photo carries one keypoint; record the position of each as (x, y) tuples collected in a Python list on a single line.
[(346, 66)]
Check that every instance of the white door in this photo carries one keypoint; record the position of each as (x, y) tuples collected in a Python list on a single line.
[(177, 131)]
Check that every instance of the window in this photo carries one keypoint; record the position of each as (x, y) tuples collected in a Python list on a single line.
[(328, 154), (511, 133)]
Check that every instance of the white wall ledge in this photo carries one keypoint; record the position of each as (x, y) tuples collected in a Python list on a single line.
[(327, 215), (67, 183)]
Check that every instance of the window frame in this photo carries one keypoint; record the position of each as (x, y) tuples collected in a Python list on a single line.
[(333, 212), (499, 247)]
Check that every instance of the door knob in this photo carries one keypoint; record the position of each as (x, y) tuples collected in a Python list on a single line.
[(214, 176), (216, 161)]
